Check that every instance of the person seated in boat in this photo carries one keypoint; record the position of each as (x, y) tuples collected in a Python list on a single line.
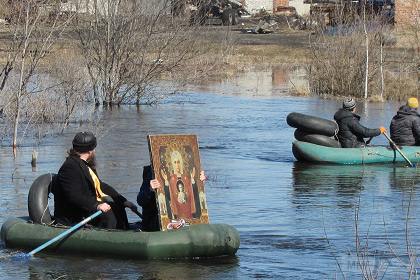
[(405, 125), (78, 191), (351, 133), (146, 198)]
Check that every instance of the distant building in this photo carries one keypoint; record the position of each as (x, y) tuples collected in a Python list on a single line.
[(102, 6), (280, 3), (407, 12), (253, 6), (302, 8), (85, 6)]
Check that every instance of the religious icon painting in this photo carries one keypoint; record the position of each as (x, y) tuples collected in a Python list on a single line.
[(176, 164)]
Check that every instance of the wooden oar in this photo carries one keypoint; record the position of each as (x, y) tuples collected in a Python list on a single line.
[(58, 237), (399, 150)]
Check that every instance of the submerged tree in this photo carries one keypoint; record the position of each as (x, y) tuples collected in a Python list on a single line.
[(34, 28), (128, 46), (412, 27), (352, 58), (116, 52)]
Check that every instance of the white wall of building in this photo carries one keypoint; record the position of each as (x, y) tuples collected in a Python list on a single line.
[(254, 6), (301, 9), (102, 6)]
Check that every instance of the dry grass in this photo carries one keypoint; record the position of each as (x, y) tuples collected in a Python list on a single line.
[(268, 54), (244, 50), (338, 62), (230, 52)]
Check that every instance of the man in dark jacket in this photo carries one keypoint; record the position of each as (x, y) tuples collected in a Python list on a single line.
[(78, 192), (405, 125), (350, 131), (146, 198)]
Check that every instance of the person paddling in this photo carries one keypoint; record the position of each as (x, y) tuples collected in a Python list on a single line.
[(405, 125), (351, 133), (78, 191)]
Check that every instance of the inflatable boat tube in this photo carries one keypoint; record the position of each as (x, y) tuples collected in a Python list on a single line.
[(304, 151), (312, 124), (316, 139), (195, 241), (38, 199)]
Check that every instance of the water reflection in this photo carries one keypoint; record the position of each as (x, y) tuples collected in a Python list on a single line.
[(278, 80), (351, 179), (97, 268), (382, 195), (281, 208), (344, 180), (405, 179), (344, 184)]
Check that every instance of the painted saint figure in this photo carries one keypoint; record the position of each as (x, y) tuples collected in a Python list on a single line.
[(182, 196), (180, 184), (162, 204), (203, 202)]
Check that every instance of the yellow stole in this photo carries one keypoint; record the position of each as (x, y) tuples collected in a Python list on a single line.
[(97, 183)]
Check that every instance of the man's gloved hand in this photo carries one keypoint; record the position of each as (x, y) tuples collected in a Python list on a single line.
[(130, 205), (382, 129)]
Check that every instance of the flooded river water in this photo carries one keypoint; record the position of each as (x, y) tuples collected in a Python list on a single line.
[(296, 221)]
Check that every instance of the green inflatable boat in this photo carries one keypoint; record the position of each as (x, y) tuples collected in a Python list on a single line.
[(304, 151), (195, 241)]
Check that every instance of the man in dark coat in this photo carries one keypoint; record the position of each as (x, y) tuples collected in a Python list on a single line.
[(146, 198), (405, 125), (350, 131), (78, 192)]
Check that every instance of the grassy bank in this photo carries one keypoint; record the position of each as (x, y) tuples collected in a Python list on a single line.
[(228, 51)]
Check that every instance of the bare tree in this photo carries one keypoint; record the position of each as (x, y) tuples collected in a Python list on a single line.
[(367, 49), (354, 58), (364, 254), (381, 65), (34, 28), (65, 100), (127, 50), (129, 46), (412, 26)]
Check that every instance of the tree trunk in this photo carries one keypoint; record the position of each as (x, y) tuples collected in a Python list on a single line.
[(382, 71), (19, 95), (15, 128), (367, 50)]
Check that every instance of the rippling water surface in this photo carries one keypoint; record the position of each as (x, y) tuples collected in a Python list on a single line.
[(296, 221)]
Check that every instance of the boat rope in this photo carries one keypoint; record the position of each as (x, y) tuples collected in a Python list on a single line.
[(363, 154), (374, 153), (371, 152), (336, 131)]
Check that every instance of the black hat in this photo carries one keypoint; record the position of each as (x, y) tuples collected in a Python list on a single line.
[(84, 142)]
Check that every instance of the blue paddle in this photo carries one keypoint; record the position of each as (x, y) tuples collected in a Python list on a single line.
[(399, 150), (58, 237)]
